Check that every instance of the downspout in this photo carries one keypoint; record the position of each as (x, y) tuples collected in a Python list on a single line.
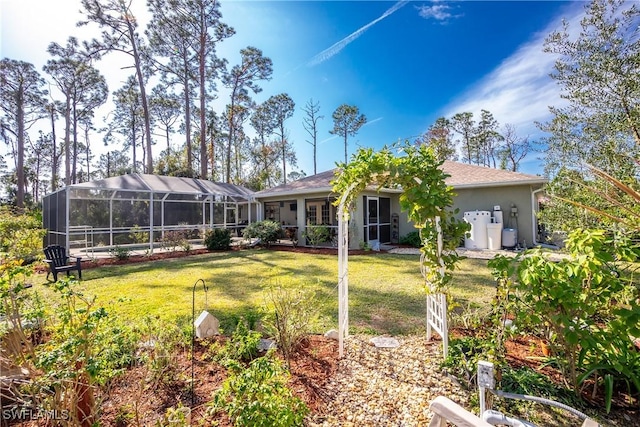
[(534, 217)]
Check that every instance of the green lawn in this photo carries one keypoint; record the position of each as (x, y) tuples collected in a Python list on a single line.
[(386, 294)]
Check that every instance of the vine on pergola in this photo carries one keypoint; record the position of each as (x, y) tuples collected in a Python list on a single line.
[(426, 198)]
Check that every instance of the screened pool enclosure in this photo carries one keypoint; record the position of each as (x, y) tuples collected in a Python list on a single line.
[(142, 210)]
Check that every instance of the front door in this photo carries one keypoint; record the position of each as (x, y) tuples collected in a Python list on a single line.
[(373, 218)]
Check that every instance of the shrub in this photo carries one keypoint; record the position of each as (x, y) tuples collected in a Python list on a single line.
[(21, 235), (217, 239), (163, 340), (243, 345), (584, 304), (267, 231), (293, 314), (411, 239), (258, 396), (120, 253), (138, 236), (316, 234), (173, 239)]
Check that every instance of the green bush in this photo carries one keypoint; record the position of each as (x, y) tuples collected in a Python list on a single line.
[(258, 396), (120, 253), (217, 239), (586, 305), (411, 239), (267, 231), (316, 234), (21, 235)]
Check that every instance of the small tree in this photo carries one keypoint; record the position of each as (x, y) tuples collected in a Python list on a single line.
[(267, 231), (347, 120)]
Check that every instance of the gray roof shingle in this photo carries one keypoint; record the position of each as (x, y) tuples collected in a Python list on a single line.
[(462, 175)]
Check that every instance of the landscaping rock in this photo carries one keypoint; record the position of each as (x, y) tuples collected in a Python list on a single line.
[(384, 342), (332, 334), (266, 344)]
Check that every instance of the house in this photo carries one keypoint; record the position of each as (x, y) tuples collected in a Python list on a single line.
[(308, 202)]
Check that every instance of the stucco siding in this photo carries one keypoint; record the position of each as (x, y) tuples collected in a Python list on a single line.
[(484, 199)]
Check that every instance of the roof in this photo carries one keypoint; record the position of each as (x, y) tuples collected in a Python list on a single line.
[(462, 175), (166, 184), (320, 182)]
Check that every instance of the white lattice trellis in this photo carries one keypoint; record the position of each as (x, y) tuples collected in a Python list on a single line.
[(343, 276), (436, 302)]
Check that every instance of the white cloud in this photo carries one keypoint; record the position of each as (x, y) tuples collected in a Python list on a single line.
[(438, 11), (519, 91), (337, 47)]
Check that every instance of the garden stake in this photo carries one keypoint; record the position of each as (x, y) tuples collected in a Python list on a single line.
[(193, 329)]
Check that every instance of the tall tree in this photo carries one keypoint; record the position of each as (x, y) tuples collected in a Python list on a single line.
[(486, 139), (113, 163), (127, 120), (55, 155), (281, 107), (514, 148), (264, 154), (347, 121), (239, 80), (165, 107), (187, 32), (84, 89), (120, 35), (597, 69), (310, 124), (464, 125), (439, 138), (23, 102)]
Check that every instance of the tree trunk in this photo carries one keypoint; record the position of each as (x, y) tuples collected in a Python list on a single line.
[(74, 163), (54, 155), (203, 103), (20, 151), (143, 97), (67, 143)]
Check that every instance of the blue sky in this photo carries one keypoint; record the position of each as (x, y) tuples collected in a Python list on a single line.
[(404, 64)]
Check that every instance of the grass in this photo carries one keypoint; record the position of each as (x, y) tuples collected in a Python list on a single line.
[(386, 293)]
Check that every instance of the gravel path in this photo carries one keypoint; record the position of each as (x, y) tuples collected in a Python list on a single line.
[(387, 386)]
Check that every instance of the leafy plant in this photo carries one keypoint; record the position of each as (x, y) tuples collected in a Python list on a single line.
[(365, 246), (316, 234), (138, 236), (120, 253), (173, 239), (411, 239), (243, 345), (267, 231), (71, 359), (21, 235), (585, 304), (462, 359), (178, 416), (217, 239), (258, 396)]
